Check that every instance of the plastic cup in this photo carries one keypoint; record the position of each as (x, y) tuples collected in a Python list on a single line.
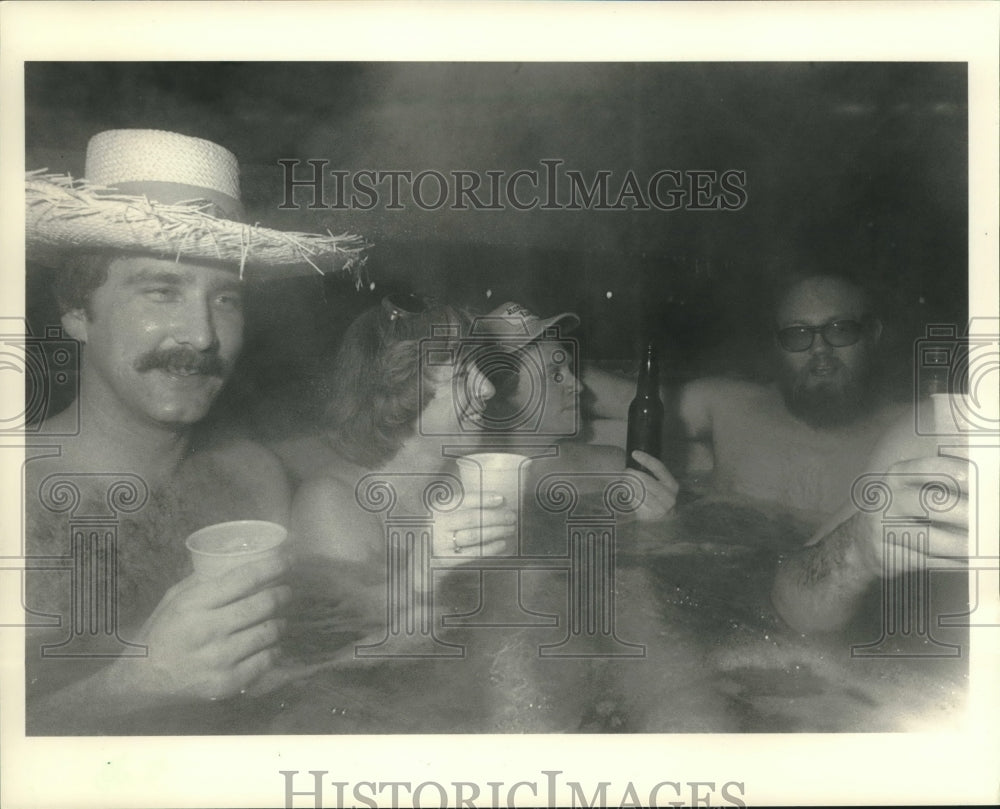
[(494, 472), (217, 549)]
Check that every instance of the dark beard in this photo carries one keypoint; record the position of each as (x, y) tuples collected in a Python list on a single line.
[(827, 404)]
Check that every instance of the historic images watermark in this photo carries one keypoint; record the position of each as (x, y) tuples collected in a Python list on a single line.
[(957, 374), (955, 385), (533, 383), (48, 366), (548, 789), (588, 627), (541, 406), (89, 506), (91, 566), (548, 187)]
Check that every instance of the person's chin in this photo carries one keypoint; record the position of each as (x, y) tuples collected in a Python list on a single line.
[(563, 426), (185, 414), (826, 406), (182, 399)]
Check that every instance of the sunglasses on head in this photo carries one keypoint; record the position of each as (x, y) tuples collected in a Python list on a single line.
[(838, 334), (398, 307)]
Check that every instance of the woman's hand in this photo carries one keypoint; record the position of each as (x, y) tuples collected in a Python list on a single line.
[(661, 488), (479, 527)]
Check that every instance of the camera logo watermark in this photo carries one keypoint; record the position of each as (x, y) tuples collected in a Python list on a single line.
[(956, 383), (90, 507), (590, 629), (501, 383), (49, 369), (956, 380), (906, 598)]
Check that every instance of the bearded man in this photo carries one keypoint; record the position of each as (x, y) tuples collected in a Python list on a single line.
[(800, 441)]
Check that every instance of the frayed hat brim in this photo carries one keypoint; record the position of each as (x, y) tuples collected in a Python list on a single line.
[(64, 215)]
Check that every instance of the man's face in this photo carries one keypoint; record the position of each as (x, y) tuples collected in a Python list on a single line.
[(160, 337), (825, 385)]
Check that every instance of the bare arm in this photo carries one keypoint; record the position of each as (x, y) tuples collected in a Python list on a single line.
[(611, 392), (328, 521), (689, 408), (694, 408), (821, 587), (206, 639), (92, 706), (343, 553)]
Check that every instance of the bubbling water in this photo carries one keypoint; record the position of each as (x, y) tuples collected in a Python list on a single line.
[(692, 592)]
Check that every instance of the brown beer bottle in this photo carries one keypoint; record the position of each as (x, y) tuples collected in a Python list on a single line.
[(645, 414)]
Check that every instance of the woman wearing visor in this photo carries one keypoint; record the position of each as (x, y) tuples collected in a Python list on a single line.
[(409, 395), (537, 399)]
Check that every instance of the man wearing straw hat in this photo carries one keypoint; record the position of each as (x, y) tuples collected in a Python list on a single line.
[(150, 256)]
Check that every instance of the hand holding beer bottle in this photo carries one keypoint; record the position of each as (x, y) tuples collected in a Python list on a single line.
[(642, 447)]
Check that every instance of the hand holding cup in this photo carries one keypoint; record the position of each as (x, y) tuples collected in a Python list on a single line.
[(479, 527), (209, 638), (214, 634)]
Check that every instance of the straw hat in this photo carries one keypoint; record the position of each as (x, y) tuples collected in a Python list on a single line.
[(157, 192)]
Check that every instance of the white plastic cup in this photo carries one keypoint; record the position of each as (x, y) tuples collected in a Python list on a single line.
[(498, 472), (217, 549)]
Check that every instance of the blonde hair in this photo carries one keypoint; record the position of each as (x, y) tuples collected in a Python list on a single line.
[(378, 385)]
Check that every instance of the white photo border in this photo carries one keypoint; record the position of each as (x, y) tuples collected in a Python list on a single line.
[(237, 771)]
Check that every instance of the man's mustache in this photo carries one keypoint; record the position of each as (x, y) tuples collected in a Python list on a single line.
[(183, 360), (823, 362)]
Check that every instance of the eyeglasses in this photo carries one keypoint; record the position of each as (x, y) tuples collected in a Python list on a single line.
[(398, 307), (837, 334)]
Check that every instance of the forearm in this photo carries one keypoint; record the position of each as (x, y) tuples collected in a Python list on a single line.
[(610, 393), (93, 705), (820, 587)]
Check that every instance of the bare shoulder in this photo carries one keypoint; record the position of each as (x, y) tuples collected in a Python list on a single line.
[(327, 519), (254, 468), (719, 389), (323, 491), (701, 400), (305, 456)]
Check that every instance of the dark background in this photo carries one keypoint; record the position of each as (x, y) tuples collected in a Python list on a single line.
[(859, 168)]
